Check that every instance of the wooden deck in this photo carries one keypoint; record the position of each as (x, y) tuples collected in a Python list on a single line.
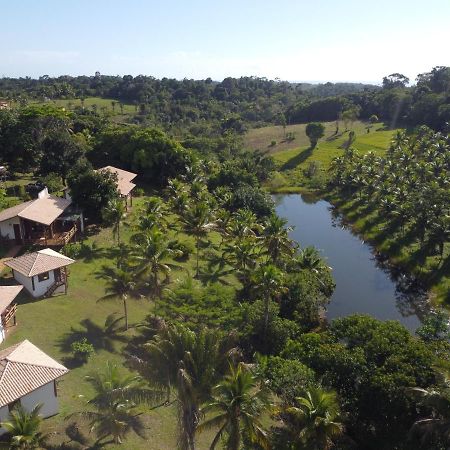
[(58, 239)]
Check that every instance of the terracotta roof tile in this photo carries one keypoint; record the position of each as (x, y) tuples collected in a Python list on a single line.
[(23, 369), (42, 210), (124, 184), (7, 295), (38, 262)]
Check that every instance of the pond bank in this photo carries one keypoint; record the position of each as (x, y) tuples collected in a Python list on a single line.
[(365, 281)]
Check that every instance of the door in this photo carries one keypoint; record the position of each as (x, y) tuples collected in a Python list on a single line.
[(17, 235), (57, 273)]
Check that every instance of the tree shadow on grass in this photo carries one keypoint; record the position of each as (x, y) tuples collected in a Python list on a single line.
[(298, 159), (77, 440), (101, 337)]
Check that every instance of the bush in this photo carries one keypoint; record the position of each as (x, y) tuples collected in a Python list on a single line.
[(186, 249), (72, 250), (138, 192), (82, 349), (290, 136), (273, 143)]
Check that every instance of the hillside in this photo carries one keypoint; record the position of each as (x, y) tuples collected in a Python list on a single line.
[(295, 158)]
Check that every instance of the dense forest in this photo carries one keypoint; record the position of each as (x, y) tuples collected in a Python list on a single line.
[(250, 101)]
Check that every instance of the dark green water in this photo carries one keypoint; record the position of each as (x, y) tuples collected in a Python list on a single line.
[(364, 284)]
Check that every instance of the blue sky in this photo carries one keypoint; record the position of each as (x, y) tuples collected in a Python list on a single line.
[(315, 40)]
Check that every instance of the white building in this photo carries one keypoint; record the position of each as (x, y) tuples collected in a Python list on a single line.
[(44, 221), (28, 377), (7, 308), (42, 273)]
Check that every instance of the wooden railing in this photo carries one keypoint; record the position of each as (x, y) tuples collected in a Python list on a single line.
[(9, 314), (67, 237)]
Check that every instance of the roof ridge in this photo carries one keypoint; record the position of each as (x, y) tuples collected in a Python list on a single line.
[(34, 263), (8, 362)]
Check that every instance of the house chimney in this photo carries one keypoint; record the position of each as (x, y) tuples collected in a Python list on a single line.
[(44, 193)]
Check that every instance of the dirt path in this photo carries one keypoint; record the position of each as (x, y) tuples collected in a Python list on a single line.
[(13, 251)]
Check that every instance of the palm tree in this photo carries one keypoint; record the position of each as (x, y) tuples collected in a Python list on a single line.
[(150, 256), (119, 285), (197, 220), (193, 363), (23, 427), (268, 283), (113, 214), (314, 421), (276, 239), (239, 401), (115, 399)]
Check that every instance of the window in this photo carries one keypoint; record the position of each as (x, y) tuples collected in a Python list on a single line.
[(43, 276)]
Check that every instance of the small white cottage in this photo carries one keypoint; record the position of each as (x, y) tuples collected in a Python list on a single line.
[(42, 273), (8, 308), (28, 377)]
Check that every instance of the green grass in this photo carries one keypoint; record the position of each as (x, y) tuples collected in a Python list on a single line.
[(49, 323), (102, 103), (292, 158)]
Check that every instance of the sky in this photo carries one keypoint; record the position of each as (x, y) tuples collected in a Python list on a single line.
[(314, 40)]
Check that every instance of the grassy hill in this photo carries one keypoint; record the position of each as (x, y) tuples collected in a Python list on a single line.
[(103, 105), (301, 167)]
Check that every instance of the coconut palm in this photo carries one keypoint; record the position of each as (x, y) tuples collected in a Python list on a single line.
[(151, 256), (24, 428), (276, 239), (113, 214), (114, 404), (314, 421), (268, 282), (238, 402), (198, 221), (120, 284), (192, 363)]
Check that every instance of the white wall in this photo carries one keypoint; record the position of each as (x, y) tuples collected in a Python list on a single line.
[(40, 288), (2, 332), (45, 395), (4, 414), (7, 228)]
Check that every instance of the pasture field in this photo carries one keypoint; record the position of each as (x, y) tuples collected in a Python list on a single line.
[(102, 105), (300, 167)]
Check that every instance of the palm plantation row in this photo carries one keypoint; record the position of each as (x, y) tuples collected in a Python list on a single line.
[(408, 188)]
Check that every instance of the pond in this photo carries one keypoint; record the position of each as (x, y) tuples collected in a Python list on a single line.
[(364, 283)]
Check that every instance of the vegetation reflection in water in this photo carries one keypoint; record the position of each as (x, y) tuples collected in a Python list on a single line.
[(365, 282)]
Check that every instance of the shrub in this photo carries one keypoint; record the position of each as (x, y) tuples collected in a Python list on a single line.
[(290, 136), (273, 143), (82, 349), (138, 192), (72, 250), (186, 249)]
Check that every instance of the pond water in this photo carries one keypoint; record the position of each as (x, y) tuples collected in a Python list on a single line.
[(364, 284)]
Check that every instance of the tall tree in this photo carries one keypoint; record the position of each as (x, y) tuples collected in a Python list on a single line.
[(314, 422), (120, 284), (238, 403), (113, 214), (192, 363), (198, 221)]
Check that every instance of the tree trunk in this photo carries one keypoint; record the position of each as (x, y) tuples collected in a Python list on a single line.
[(125, 311), (198, 250)]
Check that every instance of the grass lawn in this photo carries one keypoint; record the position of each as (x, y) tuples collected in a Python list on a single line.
[(51, 324), (103, 105), (292, 158)]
